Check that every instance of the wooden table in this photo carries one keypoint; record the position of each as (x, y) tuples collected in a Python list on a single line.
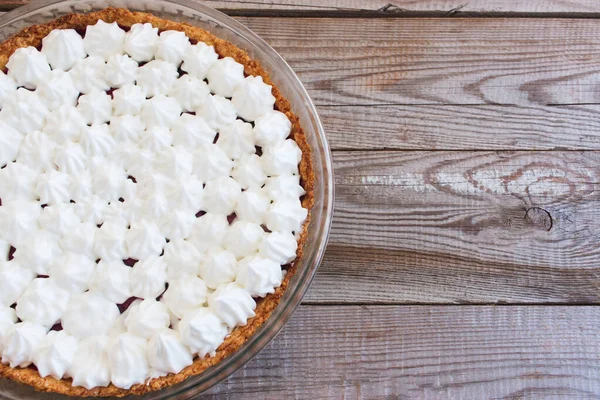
[(464, 259)]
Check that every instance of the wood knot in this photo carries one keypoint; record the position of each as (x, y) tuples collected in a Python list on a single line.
[(538, 217)]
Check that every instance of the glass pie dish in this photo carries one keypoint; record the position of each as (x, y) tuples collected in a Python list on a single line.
[(317, 231)]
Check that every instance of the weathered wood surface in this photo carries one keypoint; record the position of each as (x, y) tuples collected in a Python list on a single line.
[(456, 227), (371, 61), (461, 127), (443, 352), (393, 7), (468, 84)]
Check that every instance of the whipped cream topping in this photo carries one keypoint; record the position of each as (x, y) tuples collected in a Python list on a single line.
[(283, 187), (147, 318), (244, 238), (183, 259), (253, 206), (177, 225), (280, 247), (28, 67), (191, 131), (148, 278), (14, 280), (224, 76), (63, 48), (252, 98), (109, 242), (4, 250), (37, 251), (53, 187), (198, 59), (104, 39), (20, 343), (209, 231), (97, 141), (218, 267), (185, 294), (10, 142), (144, 240), (167, 354), (58, 89), (233, 304), (161, 111), (217, 111), (120, 70), (24, 110), (187, 195), (80, 239), (259, 276), (171, 47), (210, 162), (126, 128), (54, 355), (286, 216), (221, 195), (88, 74), (95, 107), (72, 272), (128, 100), (111, 279), (190, 92), (248, 171), (168, 190), (128, 360), (156, 77), (90, 367), (17, 182), (58, 219), (237, 139), (19, 220), (202, 331), (89, 314), (271, 128), (155, 139), (70, 158), (7, 86), (8, 317), (64, 125), (141, 42), (282, 158)]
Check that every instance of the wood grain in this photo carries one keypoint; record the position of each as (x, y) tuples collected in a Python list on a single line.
[(462, 127), (427, 353), (392, 8), (400, 7), (463, 227), (371, 61)]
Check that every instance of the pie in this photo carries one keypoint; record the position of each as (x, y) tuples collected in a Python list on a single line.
[(155, 191)]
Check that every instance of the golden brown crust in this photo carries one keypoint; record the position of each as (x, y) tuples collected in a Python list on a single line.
[(32, 36)]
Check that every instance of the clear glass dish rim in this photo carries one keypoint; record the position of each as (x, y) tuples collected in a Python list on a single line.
[(310, 262)]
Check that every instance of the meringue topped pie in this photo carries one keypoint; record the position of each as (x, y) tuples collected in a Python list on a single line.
[(155, 190)]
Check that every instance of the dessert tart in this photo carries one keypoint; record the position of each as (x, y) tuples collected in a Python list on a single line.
[(155, 191)]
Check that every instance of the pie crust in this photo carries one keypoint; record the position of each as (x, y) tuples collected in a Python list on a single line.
[(32, 36)]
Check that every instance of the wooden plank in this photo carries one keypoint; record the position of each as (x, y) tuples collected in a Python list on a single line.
[(463, 227), (371, 61), (427, 353), (460, 127), (394, 8), (399, 7)]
